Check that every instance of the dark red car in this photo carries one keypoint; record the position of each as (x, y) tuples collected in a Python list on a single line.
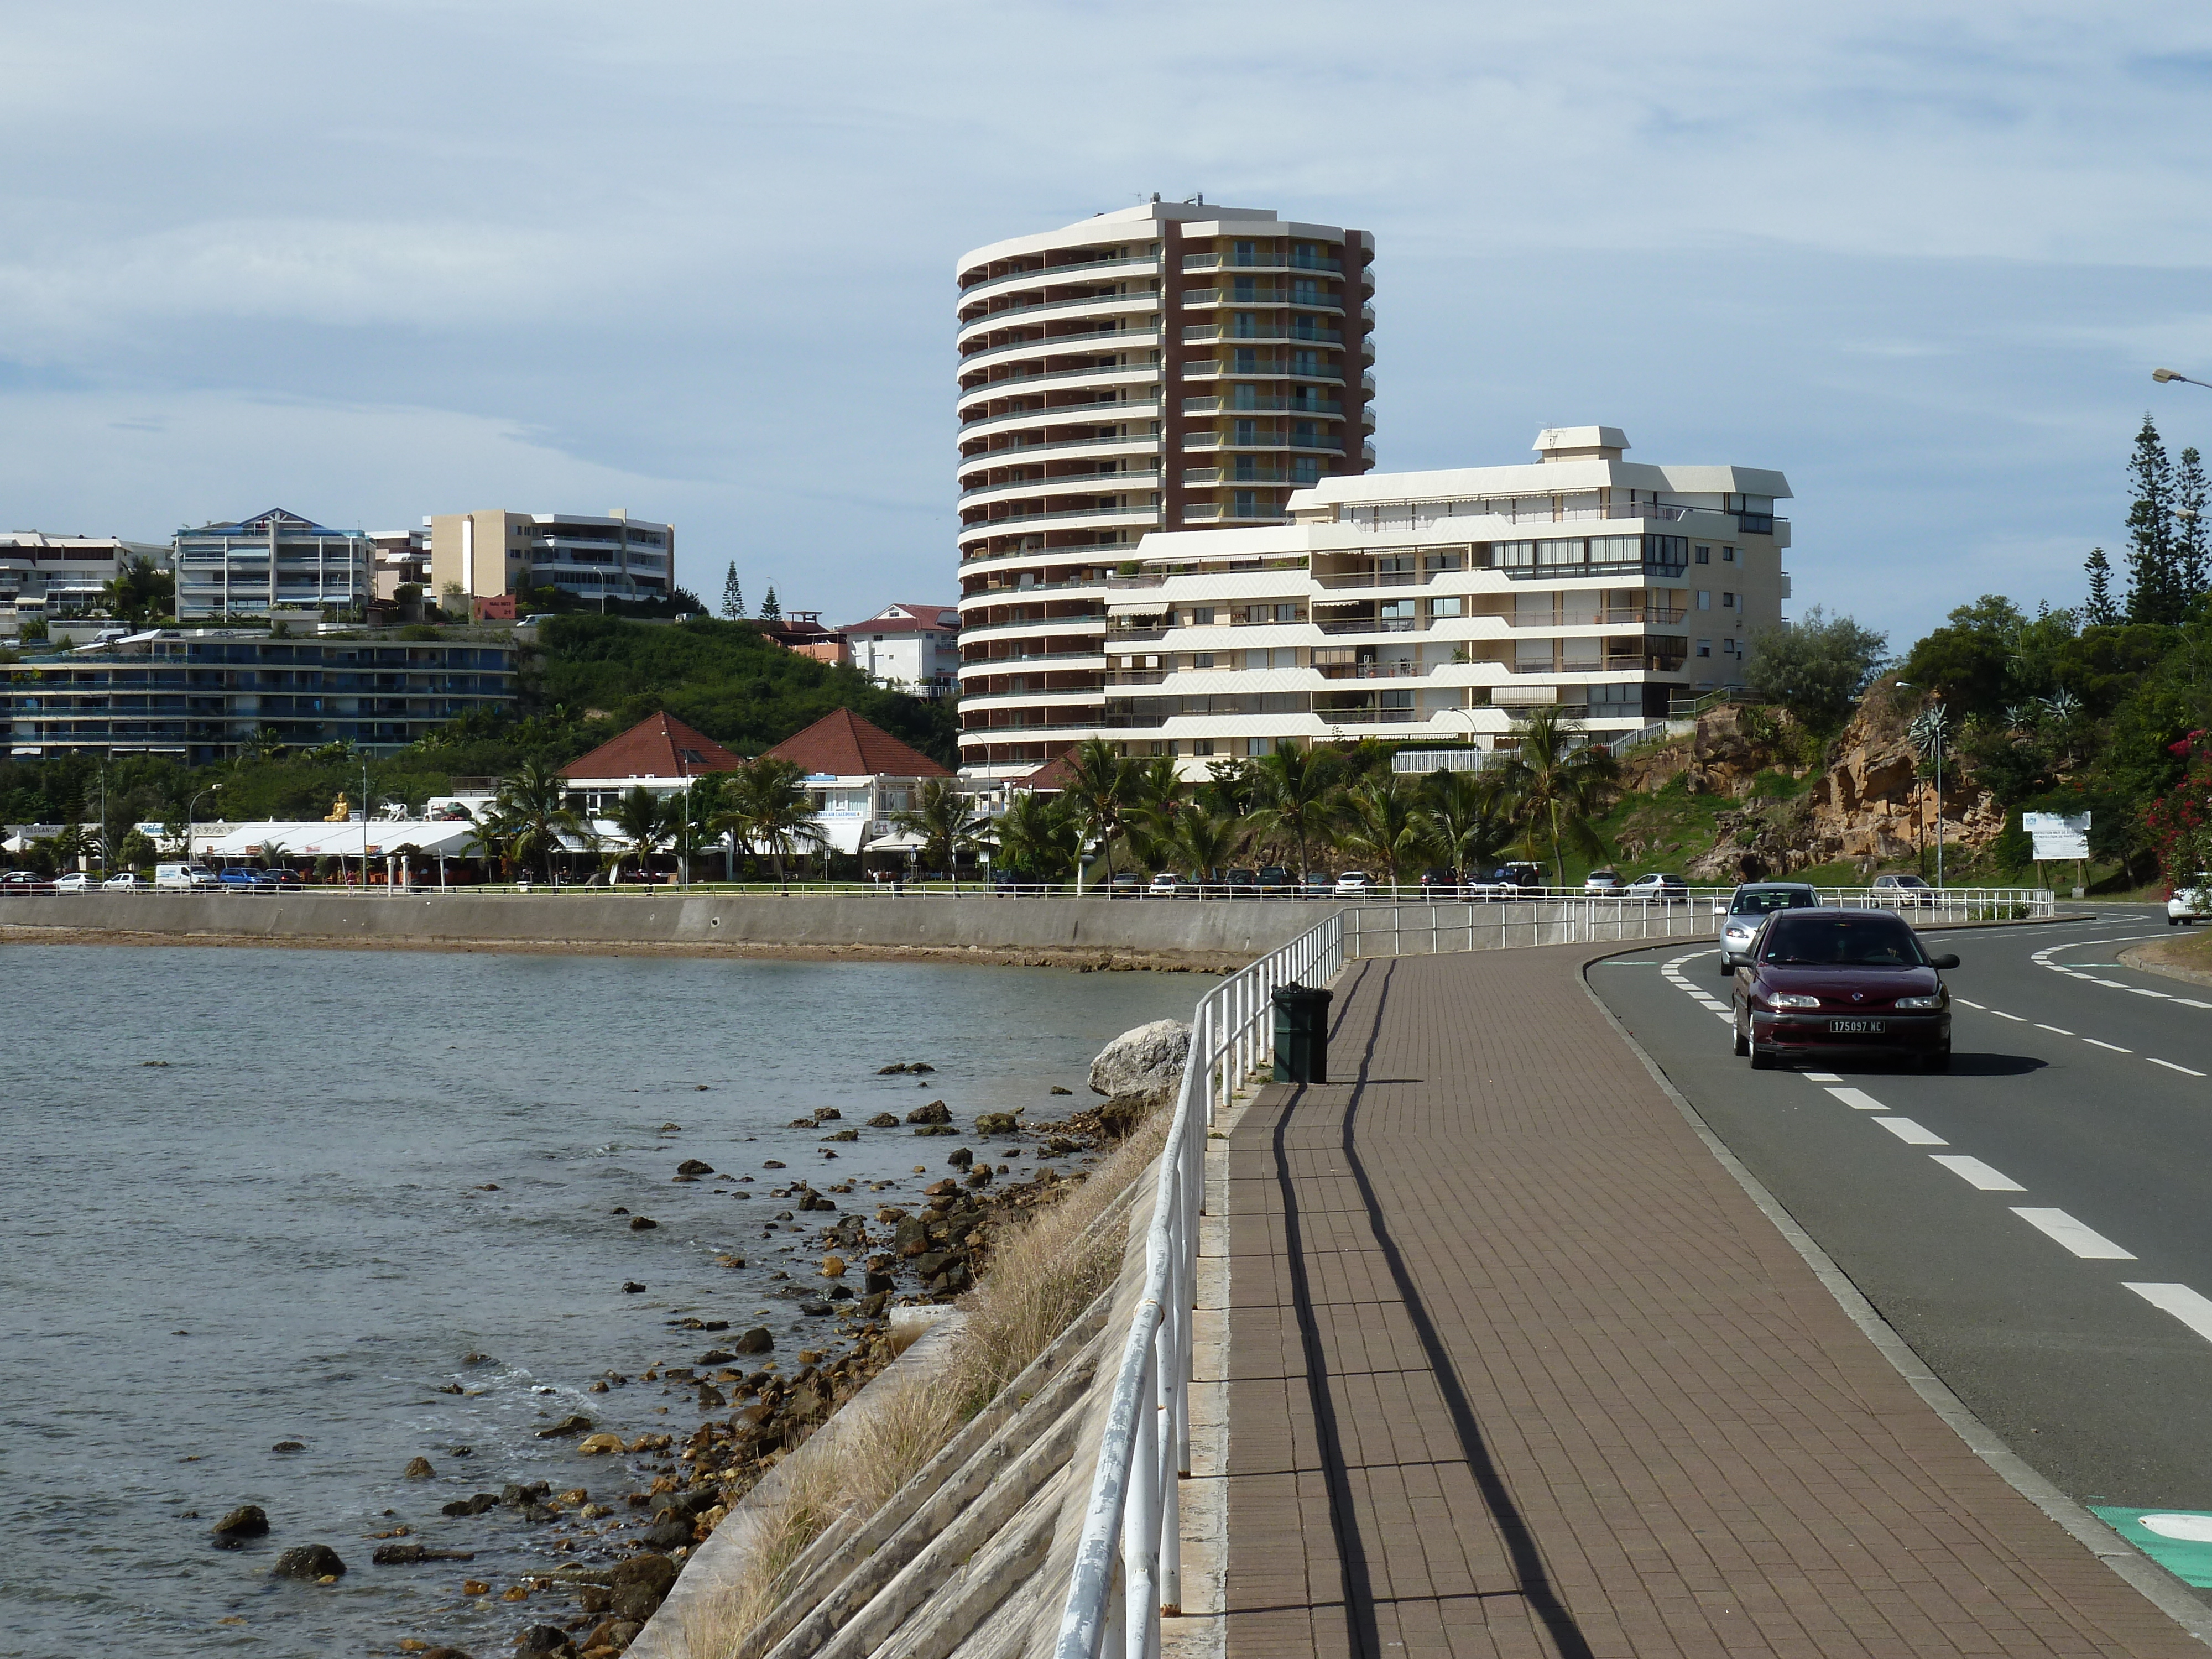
[(1824, 982)]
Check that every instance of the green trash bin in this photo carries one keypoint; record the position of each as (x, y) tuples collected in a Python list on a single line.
[(1301, 1034)]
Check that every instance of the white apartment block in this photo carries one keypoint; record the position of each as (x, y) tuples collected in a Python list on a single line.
[(274, 561), (1164, 366), (47, 575), (913, 648), (488, 554), (1441, 607)]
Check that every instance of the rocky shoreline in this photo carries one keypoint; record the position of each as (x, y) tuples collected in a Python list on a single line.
[(1083, 961), (753, 1407)]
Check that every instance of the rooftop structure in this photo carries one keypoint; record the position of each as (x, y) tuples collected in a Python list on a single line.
[(1442, 605), (1167, 366), (660, 753)]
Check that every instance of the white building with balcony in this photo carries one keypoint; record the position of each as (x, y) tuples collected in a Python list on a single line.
[(1442, 605), (485, 555), (1162, 368), (46, 576), (274, 561), (913, 648)]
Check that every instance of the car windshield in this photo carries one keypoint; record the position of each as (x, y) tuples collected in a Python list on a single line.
[(1841, 942), (1757, 901)]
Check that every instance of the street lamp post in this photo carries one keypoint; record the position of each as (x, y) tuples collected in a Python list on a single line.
[(190, 807), (2163, 375), (1933, 736)]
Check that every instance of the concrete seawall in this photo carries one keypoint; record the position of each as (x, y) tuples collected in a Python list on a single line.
[(1241, 929)]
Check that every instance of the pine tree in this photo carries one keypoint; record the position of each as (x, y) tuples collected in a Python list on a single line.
[(2155, 593), (2191, 554), (733, 596), (771, 611), (2101, 611)]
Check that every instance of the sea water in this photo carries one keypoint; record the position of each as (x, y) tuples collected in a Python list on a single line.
[(350, 1169)]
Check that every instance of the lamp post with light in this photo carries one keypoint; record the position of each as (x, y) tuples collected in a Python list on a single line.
[(2164, 375), (1927, 731)]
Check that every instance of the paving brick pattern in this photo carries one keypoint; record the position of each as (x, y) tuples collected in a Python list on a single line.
[(1523, 1371)]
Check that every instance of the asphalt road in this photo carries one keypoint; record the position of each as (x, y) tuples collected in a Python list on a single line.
[(2080, 1093)]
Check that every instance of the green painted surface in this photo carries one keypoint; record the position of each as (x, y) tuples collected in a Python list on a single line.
[(2181, 1540)]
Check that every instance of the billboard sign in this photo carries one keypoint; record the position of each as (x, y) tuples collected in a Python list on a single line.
[(2057, 835)]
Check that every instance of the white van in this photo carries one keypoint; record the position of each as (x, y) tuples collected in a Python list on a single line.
[(188, 877)]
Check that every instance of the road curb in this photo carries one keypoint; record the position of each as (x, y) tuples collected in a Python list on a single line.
[(2165, 1592)]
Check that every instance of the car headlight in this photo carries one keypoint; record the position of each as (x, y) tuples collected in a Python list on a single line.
[(1936, 1001), (1792, 999)]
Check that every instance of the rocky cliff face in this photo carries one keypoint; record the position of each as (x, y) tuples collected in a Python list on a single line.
[(1866, 805)]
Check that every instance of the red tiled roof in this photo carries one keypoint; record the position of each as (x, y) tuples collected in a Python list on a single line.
[(928, 618), (844, 745), (661, 747), (1051, 776)]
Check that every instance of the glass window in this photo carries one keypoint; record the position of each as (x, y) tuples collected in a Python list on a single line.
[(1705, 647), (1704, 598), (1842, 941), (1201, 616), (1286, 613), (1447, 607), (1727, 601), (1704, 555), (1727, 556)]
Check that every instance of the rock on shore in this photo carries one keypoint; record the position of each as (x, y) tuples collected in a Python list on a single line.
[(1146, 1062)]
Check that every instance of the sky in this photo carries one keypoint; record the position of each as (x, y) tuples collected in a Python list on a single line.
[(372, 259)]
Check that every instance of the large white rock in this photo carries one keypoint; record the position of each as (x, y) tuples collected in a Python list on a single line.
[(1146, 1062)]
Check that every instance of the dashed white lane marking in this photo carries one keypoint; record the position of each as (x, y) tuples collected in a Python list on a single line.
[(2141, 991), (1977, 1174), (2060, 1029), (1823, 1077), (1858, 1100), (2114, 1046), (1964, 1003), (2085, 1241), (2171, 1066), (2113, 984), (1911, 1133), (2184, 1303), (2017, 1019), (2191, 1002)]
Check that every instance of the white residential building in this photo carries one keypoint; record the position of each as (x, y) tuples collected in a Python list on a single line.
[(1442, 605), (913, 648), (487, 554), (43, 576), (1169, 364), (274, 561)]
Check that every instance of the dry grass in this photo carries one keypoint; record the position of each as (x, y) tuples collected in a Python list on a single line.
[(1044, 1271)]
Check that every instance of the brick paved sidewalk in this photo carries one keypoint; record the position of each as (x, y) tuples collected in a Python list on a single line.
[(1516, 1368)]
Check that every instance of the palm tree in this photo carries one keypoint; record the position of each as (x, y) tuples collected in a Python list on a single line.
[(947, 824), (1557, 785), (1102, 787), (695, 811), (1039, 836), (1293, 792), (534, 803), (1200, 840), (1383, 825), (1467, 818), (769, 811), (642, 818)]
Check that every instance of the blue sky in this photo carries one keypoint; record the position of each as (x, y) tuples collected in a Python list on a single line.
[(373, 259)]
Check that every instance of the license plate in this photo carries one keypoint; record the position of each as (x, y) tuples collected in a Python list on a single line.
[(1854, 1027)]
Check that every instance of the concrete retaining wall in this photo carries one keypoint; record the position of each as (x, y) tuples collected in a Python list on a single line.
[(1243, 928)]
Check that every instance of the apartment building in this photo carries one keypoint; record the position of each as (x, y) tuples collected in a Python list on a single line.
[(198, 694), (490, 555), (1167, 367), (274, 561), (913, 648), (48, 575), (1445, 605)]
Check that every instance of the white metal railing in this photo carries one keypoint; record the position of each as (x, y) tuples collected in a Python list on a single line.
[(1132, 1532)]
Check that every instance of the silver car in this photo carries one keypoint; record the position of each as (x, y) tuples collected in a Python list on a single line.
[(1746, 912)]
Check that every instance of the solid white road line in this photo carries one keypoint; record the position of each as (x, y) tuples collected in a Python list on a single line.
[(1858, 1100), (2060, 1029), (2171, 1066), (1975, 1173), (1911, 1133), (2114, 1046), (2085, 1241), (2184, 1303)]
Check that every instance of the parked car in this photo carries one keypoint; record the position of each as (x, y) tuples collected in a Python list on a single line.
[(190, 877), (1319, 883), (2190, 905), (25, 881), (129, 882), (1124, 884), (1520, 874), (1666, 888), (1903, 889), (1275, 880), (243, 879), (1602, 881), (1351, 884), (1166, 884), (1242, 883), (74, 882), (1822, 980), (1439, 884), (1746, 912)]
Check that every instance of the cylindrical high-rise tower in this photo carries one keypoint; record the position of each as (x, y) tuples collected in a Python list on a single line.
[(1165, 367)]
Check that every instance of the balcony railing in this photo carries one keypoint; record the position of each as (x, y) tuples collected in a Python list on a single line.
[(1147, 480), (1129, 302), (1066, 625), (1050, 446), (1655, 616), (1379, 579), (1053, 513), (1119, 639), (990, 388), (1376, 625), (1274, 368), (1268, 261), (1059, 413), (1370, 671), (1061, 345), (1210, 334), (1047, 274), (1262, 405), (1137, 676)]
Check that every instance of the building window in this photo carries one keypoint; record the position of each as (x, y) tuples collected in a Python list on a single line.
[(1201, 616), (1705, 647), (1727, 601), (1244, 503), (1704, 555), (1704, 598), (1201, 660), (1286, 613), (1727, 556), (1201, 746)]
